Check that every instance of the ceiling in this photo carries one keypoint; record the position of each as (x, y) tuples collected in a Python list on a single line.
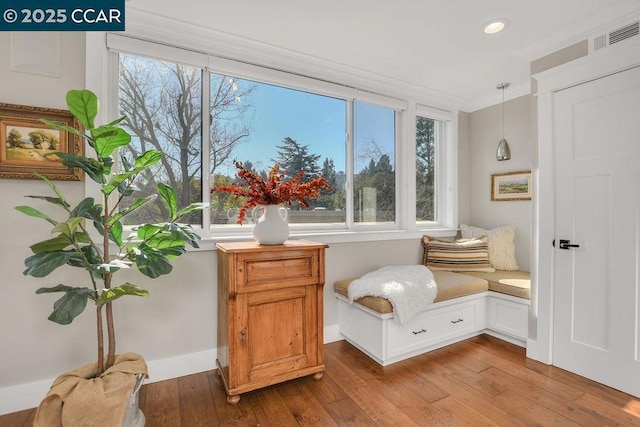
[(429, 44)]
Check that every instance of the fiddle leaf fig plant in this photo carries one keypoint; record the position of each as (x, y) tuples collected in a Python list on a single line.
[(89, 230)]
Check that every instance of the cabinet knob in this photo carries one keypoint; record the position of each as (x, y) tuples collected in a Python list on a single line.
[(243, 336)]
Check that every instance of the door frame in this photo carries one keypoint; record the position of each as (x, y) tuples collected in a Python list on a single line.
[(610, 60)]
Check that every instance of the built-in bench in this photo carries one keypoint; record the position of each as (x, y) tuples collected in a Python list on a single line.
[(467, 304)]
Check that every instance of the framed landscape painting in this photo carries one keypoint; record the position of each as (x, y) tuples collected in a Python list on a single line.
[(511, 186), (27, 145)]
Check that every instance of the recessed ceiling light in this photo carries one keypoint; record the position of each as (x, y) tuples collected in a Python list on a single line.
[(495, 26)]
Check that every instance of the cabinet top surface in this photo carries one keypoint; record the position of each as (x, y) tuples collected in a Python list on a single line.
[(254, 246)]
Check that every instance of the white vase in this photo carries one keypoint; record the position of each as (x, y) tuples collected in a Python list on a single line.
[(270, 228)]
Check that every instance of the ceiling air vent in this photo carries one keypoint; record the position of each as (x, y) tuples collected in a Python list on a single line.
[(603, 40), (624, 33)]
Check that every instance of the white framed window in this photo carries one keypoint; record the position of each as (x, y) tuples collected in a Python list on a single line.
[(271, 124), (374, 177), (259, 115), (433, 162)]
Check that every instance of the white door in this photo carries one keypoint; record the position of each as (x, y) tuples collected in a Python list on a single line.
[(596, 134)]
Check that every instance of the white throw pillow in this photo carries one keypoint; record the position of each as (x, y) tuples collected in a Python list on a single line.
[(502, 251)]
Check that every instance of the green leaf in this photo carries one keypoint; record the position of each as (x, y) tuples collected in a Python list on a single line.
[(52, 245), (168, 196), (127, 190), (146, 231), (92, 167), (169, 244), (108, 138), (108, 295), (126, 164), (193, 207), (135, 205), (84, 105), (70, 305), (61, 201), (41, 264), (91, 254), (117, 180), (186, 233), (150, 261), (116, 121), (54, 200), (86, 209), (60, 126), (88, 259), (116, 233), (147, 159), (107, 163), (68, 228), (28, 210)]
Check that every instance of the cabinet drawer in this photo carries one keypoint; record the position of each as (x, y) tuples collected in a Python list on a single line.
[(431, 327), (266, 270)]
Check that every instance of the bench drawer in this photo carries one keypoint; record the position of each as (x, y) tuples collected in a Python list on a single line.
[(435, 326)]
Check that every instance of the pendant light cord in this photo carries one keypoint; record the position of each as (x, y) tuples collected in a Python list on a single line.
[(503, 88)]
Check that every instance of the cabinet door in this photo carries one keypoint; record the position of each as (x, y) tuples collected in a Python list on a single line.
[(277, 332)]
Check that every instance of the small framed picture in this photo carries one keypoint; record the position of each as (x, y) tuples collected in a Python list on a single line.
[(511, 186), (27, 145)]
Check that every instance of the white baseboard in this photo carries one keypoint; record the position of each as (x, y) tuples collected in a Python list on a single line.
[(179, 366), (26, 396), (332, 334), (23, 396), (538, 352)]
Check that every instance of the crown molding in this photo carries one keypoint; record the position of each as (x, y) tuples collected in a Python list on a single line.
[(514, 91)]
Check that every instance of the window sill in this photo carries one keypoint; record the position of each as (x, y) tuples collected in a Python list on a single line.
[(210, 239)]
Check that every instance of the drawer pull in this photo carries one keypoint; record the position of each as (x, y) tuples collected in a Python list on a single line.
[(457, 321), (421, 331)]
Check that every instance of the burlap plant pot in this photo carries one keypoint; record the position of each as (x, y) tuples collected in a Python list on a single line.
[(79, 398)]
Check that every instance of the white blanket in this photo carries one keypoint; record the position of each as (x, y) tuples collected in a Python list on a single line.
[(409, 288)]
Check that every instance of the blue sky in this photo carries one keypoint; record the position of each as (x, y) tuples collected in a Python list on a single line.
[(309, 119)]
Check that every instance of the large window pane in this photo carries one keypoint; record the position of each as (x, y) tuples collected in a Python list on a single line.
[(425, 169), (374, 169), (162, 102), (265, 124)]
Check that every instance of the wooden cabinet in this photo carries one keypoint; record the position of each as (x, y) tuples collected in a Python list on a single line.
[(270, 313)]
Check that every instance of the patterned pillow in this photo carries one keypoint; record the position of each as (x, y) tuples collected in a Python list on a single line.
[(460, 255), (502, 250)]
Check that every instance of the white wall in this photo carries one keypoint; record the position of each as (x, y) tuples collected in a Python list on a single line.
[(464, 168), (485, 130)]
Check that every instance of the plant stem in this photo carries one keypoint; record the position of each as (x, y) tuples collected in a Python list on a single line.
[(111, 333), (100, 366)]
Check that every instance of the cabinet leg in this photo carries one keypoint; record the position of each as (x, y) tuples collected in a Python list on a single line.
[(233, 399), (318, 375)]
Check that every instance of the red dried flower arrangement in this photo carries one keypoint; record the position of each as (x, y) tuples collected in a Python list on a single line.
[(273, 191)]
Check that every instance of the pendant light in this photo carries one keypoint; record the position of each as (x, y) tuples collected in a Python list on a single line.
[(503, 152)]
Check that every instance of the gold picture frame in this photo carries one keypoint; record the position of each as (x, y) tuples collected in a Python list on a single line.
[(27, 145), (511, 186)]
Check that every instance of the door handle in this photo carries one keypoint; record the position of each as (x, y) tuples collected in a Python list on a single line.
[(566, 244)]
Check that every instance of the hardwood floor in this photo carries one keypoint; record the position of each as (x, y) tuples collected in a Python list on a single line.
[(480, 381)]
